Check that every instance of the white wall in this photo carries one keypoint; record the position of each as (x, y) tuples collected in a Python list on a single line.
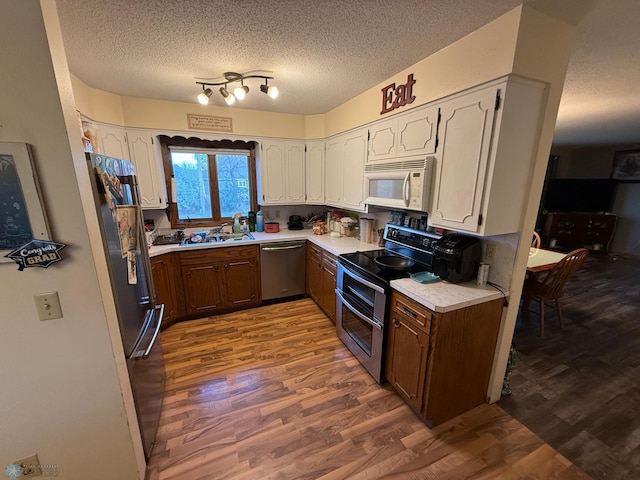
[(61, 386)]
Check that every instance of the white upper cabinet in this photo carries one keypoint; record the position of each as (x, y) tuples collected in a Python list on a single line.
[(315, 172), (334, 148), (112, 141), (145, 154), (407, 134), (354, 157), (282, 172), (345, 157), (488, 138)]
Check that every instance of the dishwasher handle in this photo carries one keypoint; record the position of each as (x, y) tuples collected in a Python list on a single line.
[(287, 247)]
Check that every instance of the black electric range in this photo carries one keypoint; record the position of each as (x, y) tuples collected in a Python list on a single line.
[(400, 241)]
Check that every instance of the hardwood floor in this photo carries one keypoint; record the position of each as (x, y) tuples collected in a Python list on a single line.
[(579, 389), (272, 393)]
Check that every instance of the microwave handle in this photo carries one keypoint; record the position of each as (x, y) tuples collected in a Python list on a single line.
[(406, 187)]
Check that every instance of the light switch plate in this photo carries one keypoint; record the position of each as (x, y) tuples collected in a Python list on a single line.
[(48, 305)]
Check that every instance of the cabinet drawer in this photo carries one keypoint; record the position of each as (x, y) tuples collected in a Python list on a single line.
[(204, 256), (330, 262), (315, 252), (418, 314)]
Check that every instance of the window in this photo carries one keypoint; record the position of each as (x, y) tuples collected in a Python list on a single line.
[(211, 181)]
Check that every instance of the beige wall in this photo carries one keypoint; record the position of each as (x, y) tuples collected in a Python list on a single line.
[(543, 48), (61, 386), (97, 104), (482, 55)]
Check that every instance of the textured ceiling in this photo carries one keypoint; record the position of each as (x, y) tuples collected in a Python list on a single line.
[(324, 52)]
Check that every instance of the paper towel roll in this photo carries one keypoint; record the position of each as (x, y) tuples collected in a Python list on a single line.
[(366, 227)]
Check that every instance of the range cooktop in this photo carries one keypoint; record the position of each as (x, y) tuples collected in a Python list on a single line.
[(399, 241)]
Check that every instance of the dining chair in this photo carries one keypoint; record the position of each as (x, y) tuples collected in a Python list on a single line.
[(536, 242), (550, 285)]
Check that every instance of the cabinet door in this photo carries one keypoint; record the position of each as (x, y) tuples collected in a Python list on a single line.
[(112, 141), (201, 285), (333, 172), (466, 128), (241, 282), (272, 167), (383, 140), (295, 172), (417, 132), (407, 359), (164, 280), (315, 172), (328, 285), (314, 272), (146, 157), (354, 155)]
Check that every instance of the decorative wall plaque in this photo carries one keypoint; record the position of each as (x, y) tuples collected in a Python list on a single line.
[(36, 253), (209, 122)]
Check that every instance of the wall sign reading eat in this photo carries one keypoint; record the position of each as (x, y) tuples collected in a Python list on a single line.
[(394, 97)]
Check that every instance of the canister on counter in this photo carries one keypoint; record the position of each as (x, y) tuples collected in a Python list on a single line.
[(483, 273)]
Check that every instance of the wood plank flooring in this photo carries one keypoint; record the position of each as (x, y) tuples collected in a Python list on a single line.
[(579, 389), (272, 393)]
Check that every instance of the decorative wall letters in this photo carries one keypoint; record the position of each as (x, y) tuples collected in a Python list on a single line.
[(394, 97)]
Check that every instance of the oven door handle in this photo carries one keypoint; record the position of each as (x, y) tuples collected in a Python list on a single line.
[(362, 317), (361, 280)]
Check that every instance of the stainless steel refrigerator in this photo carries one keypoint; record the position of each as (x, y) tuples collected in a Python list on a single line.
[(116, 196)]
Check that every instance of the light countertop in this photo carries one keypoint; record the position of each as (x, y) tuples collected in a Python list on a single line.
[(441, 296), (335, 245)]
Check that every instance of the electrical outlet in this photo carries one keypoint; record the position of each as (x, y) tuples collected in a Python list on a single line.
[(29, 466), (490, 252)]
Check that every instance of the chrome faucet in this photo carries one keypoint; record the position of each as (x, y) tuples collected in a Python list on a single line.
[(218, 230)]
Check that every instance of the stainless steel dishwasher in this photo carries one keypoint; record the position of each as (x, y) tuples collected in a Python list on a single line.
[(282, 269)]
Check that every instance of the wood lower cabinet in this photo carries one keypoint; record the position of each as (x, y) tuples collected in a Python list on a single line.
[(202, 286), (322, 269), (568, 231), (314, 271), (408, 347), (164, 272), (440, 363), (220, 279)]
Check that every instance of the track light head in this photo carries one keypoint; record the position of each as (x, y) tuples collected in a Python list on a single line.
[(241, 92), (203, 98), (269, 90), (230, 99)]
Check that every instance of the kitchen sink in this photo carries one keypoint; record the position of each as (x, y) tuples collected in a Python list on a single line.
[(220, 238)]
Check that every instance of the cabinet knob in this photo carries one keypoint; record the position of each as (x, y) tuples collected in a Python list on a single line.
[(396, 322)]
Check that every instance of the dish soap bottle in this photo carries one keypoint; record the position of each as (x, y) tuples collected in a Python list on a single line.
[(259, 222), (236, 224)]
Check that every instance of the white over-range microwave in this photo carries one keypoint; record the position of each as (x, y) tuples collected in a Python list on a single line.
[(400, 184)]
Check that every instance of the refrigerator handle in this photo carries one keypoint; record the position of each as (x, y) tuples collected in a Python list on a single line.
[(142, 242), (143, 352)]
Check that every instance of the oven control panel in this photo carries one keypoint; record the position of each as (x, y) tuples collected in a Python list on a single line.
[(419, 240)]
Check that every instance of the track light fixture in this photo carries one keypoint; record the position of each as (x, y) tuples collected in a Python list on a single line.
[(239, 92)]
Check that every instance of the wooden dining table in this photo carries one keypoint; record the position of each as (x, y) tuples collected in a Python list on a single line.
[(541, 260)]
